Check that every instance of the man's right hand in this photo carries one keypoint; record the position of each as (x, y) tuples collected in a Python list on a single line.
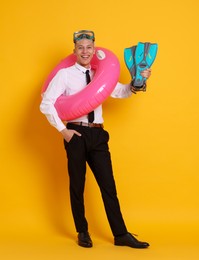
[(68, 134)]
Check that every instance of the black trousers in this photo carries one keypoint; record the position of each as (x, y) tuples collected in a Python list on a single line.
[(92, 147)]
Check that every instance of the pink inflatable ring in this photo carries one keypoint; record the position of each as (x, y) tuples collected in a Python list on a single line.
[(107, 69)]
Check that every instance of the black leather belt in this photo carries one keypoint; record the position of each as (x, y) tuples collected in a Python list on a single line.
[(87, 124)]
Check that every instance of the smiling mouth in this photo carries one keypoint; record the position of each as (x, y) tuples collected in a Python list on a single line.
[(85, 57)]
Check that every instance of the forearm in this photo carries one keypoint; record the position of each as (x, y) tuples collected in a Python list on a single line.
[(50, 112), (122, 91)]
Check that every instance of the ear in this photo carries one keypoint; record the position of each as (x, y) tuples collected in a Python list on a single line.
[(74, 51)]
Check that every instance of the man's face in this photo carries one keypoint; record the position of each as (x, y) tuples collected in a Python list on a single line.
[(84, 50)]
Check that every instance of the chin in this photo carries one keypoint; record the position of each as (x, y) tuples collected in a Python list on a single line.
[(85, 64)]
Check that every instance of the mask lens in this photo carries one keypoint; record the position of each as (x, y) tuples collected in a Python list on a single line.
[(84, 34)]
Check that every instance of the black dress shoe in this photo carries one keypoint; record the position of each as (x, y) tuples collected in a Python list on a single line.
[(84, 239), (129, 240)]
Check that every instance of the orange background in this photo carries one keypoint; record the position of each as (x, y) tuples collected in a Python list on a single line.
[(154, 135)]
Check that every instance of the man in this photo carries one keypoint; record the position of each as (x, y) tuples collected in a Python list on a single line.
[(86, 141)]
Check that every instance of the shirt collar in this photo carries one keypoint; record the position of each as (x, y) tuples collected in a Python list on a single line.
[(81, 68)]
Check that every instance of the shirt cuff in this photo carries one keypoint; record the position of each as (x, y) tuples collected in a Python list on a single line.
[(61, 127)]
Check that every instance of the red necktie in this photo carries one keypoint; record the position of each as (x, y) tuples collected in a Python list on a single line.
[(91, 114)]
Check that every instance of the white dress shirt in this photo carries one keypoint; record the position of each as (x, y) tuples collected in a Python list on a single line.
[(69, 81)]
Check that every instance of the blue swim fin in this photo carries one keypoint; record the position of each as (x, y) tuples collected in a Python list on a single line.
[(139, 58), (129, 58), (145, 55)]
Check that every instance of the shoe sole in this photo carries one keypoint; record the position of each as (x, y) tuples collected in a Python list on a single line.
[(85, 245), (138, 247)]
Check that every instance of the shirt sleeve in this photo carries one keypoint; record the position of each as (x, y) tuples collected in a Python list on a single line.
[(56, 88), (121, 91)]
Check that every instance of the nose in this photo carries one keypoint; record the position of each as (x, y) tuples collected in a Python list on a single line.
[(84, 50)]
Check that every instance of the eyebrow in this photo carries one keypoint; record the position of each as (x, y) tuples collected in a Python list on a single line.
[(81, 45)]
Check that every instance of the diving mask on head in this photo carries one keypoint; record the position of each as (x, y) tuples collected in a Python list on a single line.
[(83, 34)]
